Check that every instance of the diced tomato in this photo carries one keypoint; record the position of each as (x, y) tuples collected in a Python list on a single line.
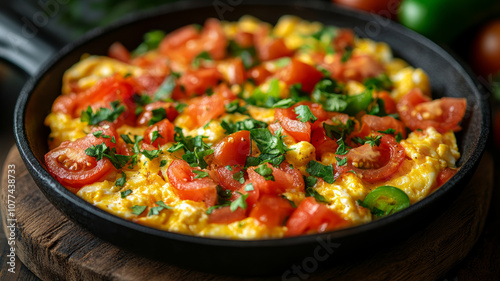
[(374, 163), (417, 111), (243, 39), (358, 67), (233, 149), (186, 43), (272, 210), (224, 215), (300, 72), (301, 131), (233, 71), (322, 142), (259, 74), (311, 216), (147, 114), (226, 177), (285, 178), (72, 167), (389, 103), (196, 82), (165, 133), (203, 109), (377, 124), (445, 175), (344, 39), (182, 178), (269, 48), (119, 52)]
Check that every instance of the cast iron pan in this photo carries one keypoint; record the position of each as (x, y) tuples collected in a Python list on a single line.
[(448, 78)]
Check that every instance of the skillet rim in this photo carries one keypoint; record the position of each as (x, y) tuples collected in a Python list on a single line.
[(59, 195)]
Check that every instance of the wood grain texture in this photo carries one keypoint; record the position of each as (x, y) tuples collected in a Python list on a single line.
[(55, 248)]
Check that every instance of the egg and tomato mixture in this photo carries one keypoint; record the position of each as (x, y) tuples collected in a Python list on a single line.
[(243, 130)]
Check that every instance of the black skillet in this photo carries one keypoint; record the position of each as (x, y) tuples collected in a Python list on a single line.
[(448, 78)]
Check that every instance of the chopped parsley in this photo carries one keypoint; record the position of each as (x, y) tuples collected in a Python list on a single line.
[(311, 192), (158, 115), (137, 209), (125, 193), (341, 161), (201, 56), (249, 187), (372, 141), (381, 82), (347, 54), (99, 134), (240, 202), (239, 177), (200, 174), (154, 211), (321, 171), (156, 135), (399, 137), (272, 147), (247, 124), (389, 131), (151, 41), (265, 171), (304, 114), (284, 103), (234, 107), (102, 150), (121, 181), (102, 114)]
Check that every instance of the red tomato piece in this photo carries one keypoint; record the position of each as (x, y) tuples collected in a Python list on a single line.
[(300, 72), (226, 177), (224, 215), (119, 52), (312, 216), (301, 131), (445, 175), (285, 178), (233, 149), (243, 39), (272, 210), (72, 167), (147, 114), (419, 112), (389, 103), (377, 124), (322, 142), (165, 133), (269, 48), (182, 178), (374, 163), (344, 39), (196, 82), (259, 74), (233, 71), (203, 109), (385, 8)]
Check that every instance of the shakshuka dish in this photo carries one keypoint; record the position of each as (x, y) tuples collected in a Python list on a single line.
[(244, 130)]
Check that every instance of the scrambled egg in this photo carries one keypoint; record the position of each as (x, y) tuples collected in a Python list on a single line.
[(427, 153)]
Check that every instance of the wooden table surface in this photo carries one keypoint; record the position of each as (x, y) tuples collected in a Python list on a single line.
[(482, 263)]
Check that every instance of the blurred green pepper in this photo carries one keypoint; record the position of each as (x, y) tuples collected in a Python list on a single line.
[(444, 20)]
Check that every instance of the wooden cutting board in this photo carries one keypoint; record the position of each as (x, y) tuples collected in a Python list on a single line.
[(54, 248)]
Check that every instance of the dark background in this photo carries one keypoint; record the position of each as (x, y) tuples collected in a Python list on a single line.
[(61, 21)]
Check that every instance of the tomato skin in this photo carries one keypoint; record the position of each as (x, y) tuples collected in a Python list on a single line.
[(181, 176), (243, 39), (285, 178), (196, 82), (377, 124), (224, 215), (485, 55), (259, 74), (235, 71), (322, 142), (389, 152), (444, 114), (119, 52), (185, 43), (311, 216), (269, 48), (233, 149), (166, 131), (226, 179), (300, 131), (300, 72), (445, 175), (203, 109), (147, 114), (344, 39), (72, 167), (389, 103), (271, 210)]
